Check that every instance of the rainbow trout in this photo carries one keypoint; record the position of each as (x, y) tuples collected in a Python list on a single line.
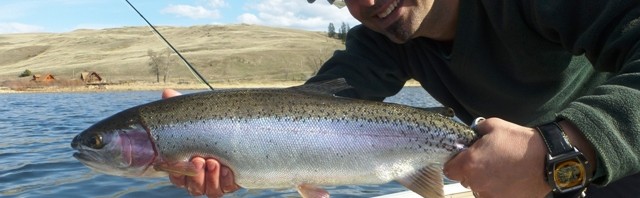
[(279, 138)]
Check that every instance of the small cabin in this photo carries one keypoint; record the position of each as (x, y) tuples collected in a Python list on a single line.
[(45, 78), (90, 77)]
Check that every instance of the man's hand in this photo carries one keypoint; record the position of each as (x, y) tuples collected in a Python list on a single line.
[(212, 180), (507, 161)]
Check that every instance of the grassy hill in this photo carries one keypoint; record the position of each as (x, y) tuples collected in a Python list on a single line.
[(229, 53)]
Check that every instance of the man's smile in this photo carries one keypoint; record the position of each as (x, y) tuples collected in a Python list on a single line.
[(389, 9)]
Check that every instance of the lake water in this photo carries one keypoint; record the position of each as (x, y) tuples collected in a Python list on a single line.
[(36, 160)]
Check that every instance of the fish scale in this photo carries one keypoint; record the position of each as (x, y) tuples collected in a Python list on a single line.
[(244, 120), (280, 138)]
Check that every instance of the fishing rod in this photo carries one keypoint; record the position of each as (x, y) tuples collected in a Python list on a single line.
[(191, 68)]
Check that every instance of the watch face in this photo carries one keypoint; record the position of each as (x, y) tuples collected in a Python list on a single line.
[(568, 174)]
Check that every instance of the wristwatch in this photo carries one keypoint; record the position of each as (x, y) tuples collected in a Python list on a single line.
[(566, 168)]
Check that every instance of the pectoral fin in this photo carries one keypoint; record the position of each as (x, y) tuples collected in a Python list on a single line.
[(427, 182), (182, 168), (311, 191)]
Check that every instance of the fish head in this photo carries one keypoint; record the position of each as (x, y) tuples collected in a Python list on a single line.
[(119, 145)]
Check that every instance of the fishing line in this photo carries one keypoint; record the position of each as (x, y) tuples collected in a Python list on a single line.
[(191, 68)]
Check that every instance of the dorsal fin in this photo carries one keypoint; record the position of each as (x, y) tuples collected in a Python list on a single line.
[(328, 87), (427, 182), (445, 111)]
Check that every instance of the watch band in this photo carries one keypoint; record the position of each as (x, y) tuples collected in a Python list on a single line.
[(551, 133), (558, 144)]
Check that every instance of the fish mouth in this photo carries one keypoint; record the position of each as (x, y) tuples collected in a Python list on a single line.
[(85, 158), (89, 157), (94, 162), (79, 156)]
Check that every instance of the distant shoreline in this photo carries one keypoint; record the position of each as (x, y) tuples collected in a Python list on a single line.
[(150, 86)]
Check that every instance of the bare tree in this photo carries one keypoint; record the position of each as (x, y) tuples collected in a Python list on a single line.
[(159, 63), (315, 61)]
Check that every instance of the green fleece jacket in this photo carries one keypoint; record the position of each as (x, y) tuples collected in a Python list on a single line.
[(526, 61)]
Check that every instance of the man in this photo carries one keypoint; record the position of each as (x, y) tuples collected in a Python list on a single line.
[(556, 77)]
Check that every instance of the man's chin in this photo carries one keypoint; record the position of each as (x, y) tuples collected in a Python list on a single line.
[(399, 39), (398, 34)]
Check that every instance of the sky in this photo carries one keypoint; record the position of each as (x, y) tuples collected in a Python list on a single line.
[(57, 16)]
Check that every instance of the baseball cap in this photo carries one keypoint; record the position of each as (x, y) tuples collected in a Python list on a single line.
[(337, 3)]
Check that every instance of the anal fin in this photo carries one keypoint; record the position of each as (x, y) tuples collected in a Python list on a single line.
[(311, 191), (427, 182)]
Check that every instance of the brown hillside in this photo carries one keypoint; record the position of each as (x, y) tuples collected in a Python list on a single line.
[(229, 53)]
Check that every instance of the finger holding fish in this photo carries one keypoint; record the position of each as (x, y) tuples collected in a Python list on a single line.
[(168, 93), (501, 141), (214, 182)]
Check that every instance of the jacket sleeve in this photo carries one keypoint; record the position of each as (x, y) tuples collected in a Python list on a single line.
[(369, 64), (607, 32)]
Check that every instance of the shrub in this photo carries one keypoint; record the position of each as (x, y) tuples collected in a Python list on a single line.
[(25, 73)]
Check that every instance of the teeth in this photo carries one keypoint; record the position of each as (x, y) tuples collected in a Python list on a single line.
[(389, 10)]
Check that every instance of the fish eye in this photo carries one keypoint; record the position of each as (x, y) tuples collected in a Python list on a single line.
[(96, 141)]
